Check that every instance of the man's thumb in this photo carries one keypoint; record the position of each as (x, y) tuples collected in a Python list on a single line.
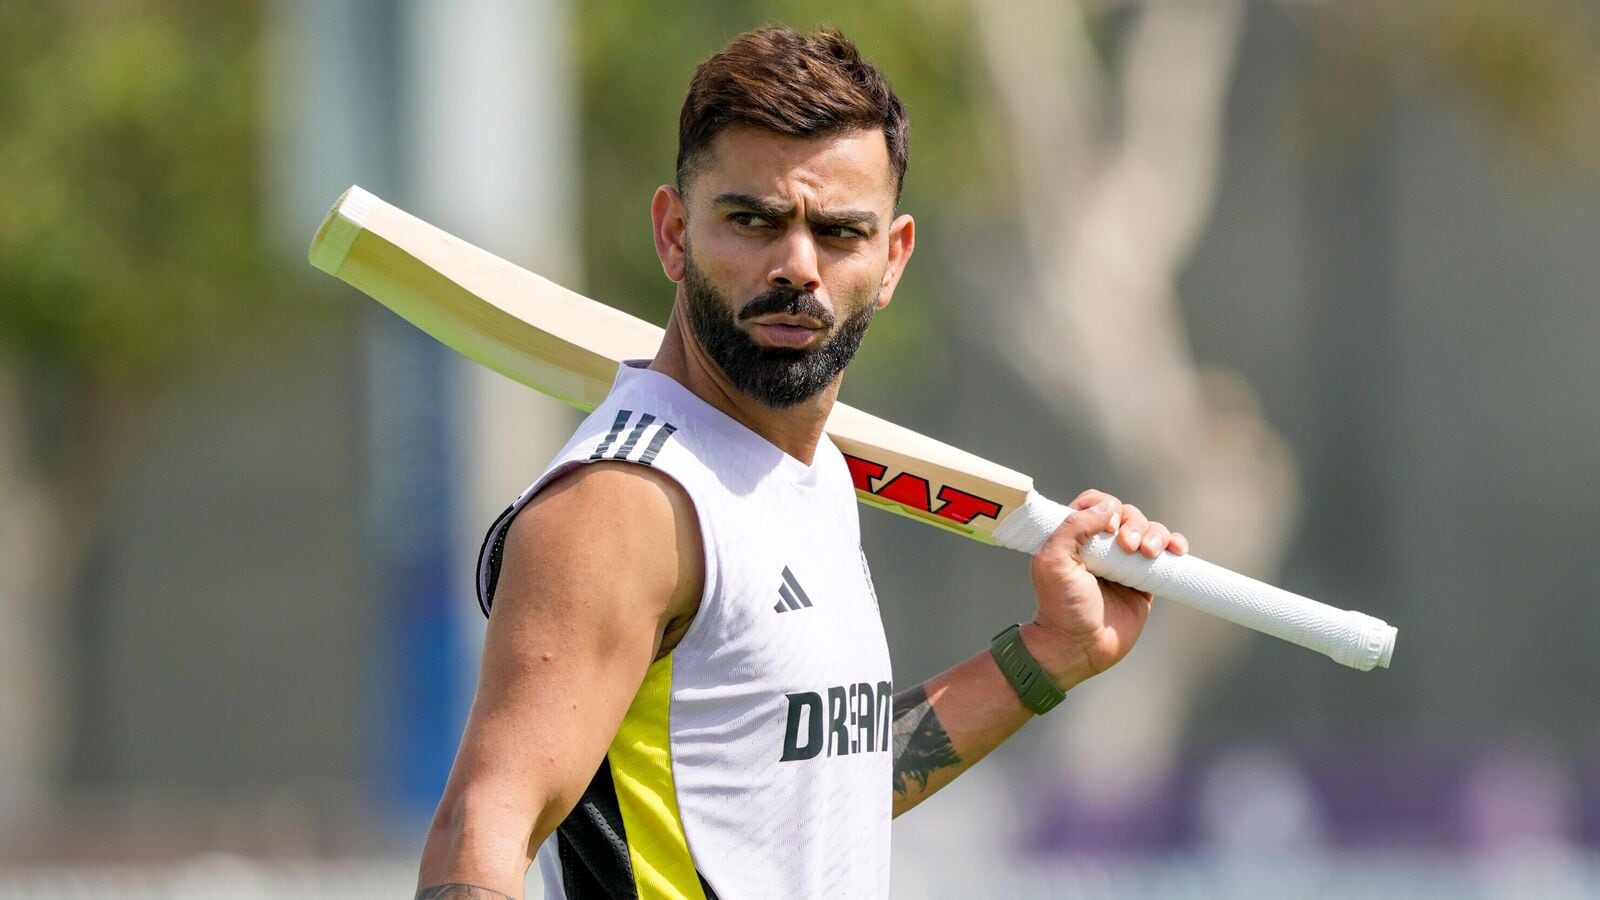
[(1079, 526)]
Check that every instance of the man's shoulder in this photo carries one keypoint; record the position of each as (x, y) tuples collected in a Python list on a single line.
[(607, 484), (611, 515)]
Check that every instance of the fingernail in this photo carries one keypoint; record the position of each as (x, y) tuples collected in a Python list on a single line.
[(1102, 506), (1134, 535)]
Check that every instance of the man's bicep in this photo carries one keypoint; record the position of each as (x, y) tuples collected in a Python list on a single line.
[(591, 574)]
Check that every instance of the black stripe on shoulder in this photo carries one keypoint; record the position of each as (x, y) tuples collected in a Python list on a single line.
[(611, 437), (633, 436), (657, 442), (594, 845)]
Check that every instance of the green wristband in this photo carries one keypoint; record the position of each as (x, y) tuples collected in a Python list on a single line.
[(1027, 678)]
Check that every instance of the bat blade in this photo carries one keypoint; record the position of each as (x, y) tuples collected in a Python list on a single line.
[(568, 346), (523, 326)]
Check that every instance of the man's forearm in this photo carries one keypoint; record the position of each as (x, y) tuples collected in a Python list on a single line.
[(477, 845), (943, 726)]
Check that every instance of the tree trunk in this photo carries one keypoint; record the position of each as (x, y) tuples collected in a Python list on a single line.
[(1110, 218), (50, 509), (31, 589)]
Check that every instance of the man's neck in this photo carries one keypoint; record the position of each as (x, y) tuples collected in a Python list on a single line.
[(795, 430)]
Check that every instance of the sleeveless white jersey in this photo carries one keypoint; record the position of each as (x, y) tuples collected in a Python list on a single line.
[(754, 761)]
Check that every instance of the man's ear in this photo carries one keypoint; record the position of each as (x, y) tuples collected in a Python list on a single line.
[(669, 220), (902, 240)]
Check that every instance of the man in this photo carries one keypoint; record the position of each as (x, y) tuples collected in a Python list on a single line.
[(685, 688)]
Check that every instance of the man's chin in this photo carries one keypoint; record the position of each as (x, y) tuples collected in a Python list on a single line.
[(777, 378)]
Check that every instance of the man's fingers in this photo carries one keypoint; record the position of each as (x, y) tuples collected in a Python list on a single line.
[(1097, 511), (1155, 540), (1133, 528)]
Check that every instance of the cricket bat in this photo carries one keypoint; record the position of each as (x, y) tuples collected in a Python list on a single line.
[(568, 346)]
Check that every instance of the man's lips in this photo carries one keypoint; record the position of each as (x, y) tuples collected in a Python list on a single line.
[(786, 330), (786, 319), (798, 320), (786, 335)]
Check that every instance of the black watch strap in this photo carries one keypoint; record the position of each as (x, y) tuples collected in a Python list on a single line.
[(1027, 677)]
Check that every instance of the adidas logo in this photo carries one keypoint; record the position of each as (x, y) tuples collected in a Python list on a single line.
[(652, 446), (791, 595)]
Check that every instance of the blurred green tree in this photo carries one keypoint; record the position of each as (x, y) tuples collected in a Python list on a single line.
[(132, 259), (1528, 72), (131, 250)]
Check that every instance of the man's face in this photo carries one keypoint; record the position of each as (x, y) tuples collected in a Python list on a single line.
[(790, 245)]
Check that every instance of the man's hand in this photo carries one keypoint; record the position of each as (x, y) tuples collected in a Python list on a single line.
[(943, 726), (1085, 625)]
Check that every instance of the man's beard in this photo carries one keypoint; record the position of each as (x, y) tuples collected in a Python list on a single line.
[(775, 377)]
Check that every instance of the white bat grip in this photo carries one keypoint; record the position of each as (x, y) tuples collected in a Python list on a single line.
[(1347, 637)]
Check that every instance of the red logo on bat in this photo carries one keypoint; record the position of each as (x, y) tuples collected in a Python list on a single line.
[(910, 490)]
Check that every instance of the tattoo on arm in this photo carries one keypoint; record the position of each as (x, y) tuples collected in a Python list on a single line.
[(458, 892), (920, 744)]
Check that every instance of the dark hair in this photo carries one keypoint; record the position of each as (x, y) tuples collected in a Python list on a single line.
[(779, 80)]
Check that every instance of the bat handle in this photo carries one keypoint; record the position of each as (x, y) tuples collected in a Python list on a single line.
[(1347, 637)]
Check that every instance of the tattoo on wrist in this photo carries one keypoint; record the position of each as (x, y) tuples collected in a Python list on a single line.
[(920, 744), (459, 892)]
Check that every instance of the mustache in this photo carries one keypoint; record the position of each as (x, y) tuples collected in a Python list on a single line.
[(787, 300)]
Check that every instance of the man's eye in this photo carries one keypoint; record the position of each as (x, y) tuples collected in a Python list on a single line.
[(750, 220), (843, 231)]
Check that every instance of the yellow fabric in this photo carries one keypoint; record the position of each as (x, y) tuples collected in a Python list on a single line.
[(641, 770)]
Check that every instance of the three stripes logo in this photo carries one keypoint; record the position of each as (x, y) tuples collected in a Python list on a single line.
[(658, 433), (791, 595)]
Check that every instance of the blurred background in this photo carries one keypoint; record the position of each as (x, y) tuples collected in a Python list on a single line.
[(1312, 280)]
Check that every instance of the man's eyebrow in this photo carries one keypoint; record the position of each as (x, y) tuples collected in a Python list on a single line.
[(856, 218), (752, 203), (864, 219)]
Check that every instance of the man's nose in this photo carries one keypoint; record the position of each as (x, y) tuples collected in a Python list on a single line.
[(795, 263)]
